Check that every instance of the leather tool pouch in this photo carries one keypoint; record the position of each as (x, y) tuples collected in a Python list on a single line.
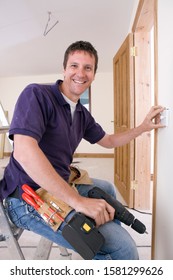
[(60, 207), (77, 176)]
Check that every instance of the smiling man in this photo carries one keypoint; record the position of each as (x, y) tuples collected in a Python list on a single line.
[(47, 126), (79, 72)]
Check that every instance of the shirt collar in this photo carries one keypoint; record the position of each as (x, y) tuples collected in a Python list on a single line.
[(59, 96)]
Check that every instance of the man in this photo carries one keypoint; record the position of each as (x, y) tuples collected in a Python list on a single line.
[(48, 124)]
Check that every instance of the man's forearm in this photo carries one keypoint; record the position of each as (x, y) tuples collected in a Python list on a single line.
[(151, 121), (120, 139), (38, 167), (123, 138)]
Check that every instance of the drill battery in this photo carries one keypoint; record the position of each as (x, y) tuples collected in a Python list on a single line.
[(82, 234)]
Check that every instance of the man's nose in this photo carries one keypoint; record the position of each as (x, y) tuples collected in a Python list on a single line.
[(81, 72)]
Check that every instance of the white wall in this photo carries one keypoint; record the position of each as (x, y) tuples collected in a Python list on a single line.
[(164, 196), (101, 102), (11, 87), (102, 108)]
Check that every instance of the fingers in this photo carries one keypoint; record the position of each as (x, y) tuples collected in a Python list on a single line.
[(105, 214), (157, 116), (153, 120), (155, 111)]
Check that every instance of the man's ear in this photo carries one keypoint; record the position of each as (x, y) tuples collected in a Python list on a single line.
[(63, 72)]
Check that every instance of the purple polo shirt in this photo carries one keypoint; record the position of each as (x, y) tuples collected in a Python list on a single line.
[(42, 113)]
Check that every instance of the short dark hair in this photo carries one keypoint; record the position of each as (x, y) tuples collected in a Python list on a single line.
[(81, 46)]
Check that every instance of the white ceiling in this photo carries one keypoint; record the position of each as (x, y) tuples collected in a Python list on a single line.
[(24, 50)]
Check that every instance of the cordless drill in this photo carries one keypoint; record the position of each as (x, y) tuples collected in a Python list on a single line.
[(121, 213), (80, 231)]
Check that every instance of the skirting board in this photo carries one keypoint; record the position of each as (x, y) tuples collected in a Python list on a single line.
[(93, 155), (82, 155)]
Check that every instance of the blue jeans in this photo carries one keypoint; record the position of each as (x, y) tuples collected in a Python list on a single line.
[(118, 243)]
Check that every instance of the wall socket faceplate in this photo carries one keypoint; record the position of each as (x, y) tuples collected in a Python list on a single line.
[(164, 117)]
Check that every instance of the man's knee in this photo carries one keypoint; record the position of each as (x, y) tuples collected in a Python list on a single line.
[(106, 186)]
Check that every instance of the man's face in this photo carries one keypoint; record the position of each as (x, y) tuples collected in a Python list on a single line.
[(79, 74)]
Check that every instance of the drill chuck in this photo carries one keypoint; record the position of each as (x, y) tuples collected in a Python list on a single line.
[(121, 213), (138, 226)]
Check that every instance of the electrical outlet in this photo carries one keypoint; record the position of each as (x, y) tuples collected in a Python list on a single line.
[(164, 117)]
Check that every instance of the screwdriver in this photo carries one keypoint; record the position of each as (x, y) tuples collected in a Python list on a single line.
[(27, 189), (32, 202)]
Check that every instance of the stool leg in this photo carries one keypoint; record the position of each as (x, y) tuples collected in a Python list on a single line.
[(43, 249), (12, 244), (64, 253)]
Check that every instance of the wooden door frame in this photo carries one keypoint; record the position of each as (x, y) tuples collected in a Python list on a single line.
[(155, 132), (146, 17), (141, 29)]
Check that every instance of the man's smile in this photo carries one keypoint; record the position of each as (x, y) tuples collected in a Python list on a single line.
[(79, 82)]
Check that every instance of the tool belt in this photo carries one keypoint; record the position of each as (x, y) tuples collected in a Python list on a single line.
[(59, 207), (50, 208), (79, 176)]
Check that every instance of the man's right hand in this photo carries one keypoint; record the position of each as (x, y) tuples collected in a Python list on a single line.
[(97, 209)]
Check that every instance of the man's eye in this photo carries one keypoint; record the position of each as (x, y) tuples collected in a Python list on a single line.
[(73, 65), (88, 68)]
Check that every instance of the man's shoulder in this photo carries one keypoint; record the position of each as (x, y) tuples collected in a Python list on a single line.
[(33, 86), (35, 89)]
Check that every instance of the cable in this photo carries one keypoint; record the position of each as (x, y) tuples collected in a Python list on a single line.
[(46, 30), (141, 212)]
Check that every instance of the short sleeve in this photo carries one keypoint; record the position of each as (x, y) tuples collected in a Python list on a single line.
[(30, 113)]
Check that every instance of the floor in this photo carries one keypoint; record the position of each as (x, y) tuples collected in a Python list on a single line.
[(98, 168)]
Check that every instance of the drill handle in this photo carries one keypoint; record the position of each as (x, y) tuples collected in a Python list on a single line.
[(121, 213)]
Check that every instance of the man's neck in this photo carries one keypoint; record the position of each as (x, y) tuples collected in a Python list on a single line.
[(66, 92)]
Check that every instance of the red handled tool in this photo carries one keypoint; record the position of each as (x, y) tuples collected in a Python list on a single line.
[(32, 193), (32, 202), (28, 190)]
